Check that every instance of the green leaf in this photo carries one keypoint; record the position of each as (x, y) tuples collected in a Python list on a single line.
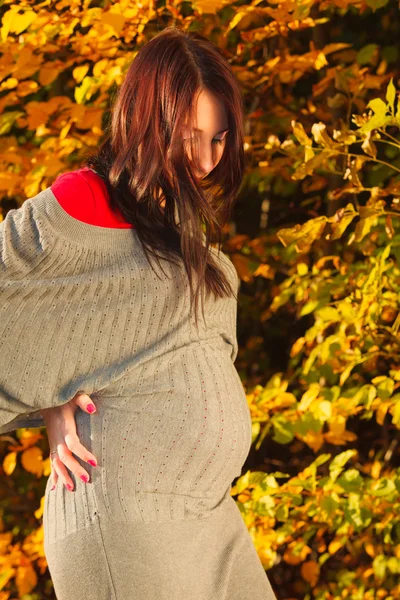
[(351, 481), (7, 120), (355, 514), (264, 507), (336, 466), (366, 54), (321, 459), (386, 487), (365, 395), (282, 512), (329, 505), (309, 307), (384, 386), (376, 4), (283, 433)]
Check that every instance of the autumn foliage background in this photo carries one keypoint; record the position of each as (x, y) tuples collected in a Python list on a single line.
[(315, 239)]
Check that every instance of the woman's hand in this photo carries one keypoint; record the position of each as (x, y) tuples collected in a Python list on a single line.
[(61, 432)]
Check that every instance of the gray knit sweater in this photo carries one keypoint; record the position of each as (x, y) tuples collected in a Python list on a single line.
[(82, 310), (77, 306)]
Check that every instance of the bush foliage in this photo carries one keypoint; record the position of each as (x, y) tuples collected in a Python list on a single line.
[(315, 240)]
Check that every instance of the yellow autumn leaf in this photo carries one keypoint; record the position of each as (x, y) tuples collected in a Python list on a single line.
[(236, 19), (30, 437), (267, 556), (79, 72), (46, 466), (376, 469), (32, 460), (26, 87), (391, 94), (15, 22), (208, 6), (382, 410), (85, 90), (337, 424), (32, 545), (368, 146), (48, 73), (241, 264), (5, 541), (26, 579), (314, 440), (9, 463), (295, 559), (115, 21), (297, 346), (309, 396), (320, 61), (300, 134), (308, 153), (370, 549), (6, 575), (321, 137), (39, 512), (334, 546), (265, 271), (8, 180), (321, 409), (304, 235), (285, 399), (340, 440), (310, 572), (340, 220), (9, 84)]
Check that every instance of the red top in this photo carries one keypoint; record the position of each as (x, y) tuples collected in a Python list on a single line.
[(84, 195)]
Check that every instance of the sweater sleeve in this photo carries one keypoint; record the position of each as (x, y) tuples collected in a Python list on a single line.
[(33, 342)]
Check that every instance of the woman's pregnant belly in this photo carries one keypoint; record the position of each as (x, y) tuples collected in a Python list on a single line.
[(171, 448)]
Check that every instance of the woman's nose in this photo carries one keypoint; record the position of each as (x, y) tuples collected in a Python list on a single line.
[(206, 164)]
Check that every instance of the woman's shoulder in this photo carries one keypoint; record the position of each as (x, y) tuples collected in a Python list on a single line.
[(84, 195), (82, 181)]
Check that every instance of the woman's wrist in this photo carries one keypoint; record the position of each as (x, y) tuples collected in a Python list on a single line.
[(44, 411)]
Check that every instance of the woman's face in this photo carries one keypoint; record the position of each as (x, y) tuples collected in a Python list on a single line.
[(209, 142), (209, 136)]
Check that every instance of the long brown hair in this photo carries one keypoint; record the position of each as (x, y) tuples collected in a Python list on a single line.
[(143, 153)]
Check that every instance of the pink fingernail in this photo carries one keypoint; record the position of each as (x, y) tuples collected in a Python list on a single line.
[(91, 462), (91, 408), (69, 486), (51, 489), (84, 478)]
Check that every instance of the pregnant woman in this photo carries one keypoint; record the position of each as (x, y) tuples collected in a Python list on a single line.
[(102, 278)]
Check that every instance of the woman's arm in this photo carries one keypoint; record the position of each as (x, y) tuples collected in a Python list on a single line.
[(61, 432)]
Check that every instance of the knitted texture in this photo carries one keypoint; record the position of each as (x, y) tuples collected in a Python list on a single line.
[(82, 310)]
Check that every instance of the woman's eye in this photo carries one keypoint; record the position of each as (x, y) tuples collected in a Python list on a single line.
[(214, 141)]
